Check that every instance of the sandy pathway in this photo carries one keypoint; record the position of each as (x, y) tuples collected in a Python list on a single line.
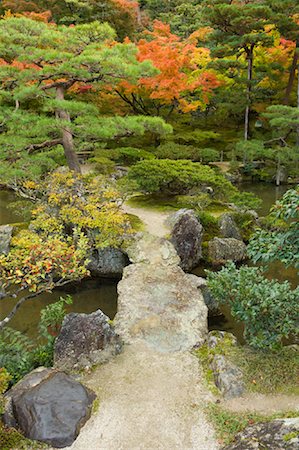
[(149, 401), (154, 221)]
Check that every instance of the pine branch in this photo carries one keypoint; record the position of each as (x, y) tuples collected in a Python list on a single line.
[(47, 144)]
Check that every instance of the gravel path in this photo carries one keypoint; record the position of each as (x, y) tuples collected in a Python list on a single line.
[(148, 401)]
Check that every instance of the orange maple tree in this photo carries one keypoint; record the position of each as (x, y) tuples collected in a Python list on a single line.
[(182, 80)]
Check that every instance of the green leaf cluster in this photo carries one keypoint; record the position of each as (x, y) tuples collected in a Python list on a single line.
[(268, 309), (281, 244), (168, 177)]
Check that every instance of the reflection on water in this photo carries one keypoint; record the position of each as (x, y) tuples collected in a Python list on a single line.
[(87, 297), (269, 193), (6, 214)]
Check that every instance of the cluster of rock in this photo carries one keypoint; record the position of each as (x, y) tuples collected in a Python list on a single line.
[(187, 235), (85, 340), (107, 262)]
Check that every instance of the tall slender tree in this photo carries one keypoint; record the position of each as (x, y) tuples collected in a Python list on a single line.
[(238, 28)]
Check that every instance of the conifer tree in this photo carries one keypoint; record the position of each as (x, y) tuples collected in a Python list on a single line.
[(239, 27), (49, 75)]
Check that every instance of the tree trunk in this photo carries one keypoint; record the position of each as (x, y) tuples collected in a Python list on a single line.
[(249, 79), (292, 75), (277, 180), (297, 140), (67, 135)]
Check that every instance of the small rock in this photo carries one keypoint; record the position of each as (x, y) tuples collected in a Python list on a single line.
[(222, 250), (228, 227), (279, 434), (85, 340), (201, 283), (198, 282), (48, 406), (5, 238), (186, 236), (217, 337), (228, 378), (108, 262)]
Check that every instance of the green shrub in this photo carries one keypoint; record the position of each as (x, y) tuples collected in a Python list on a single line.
[(200, 201), (246, 200), (268, 309), (15, 353), (172, 150), (102, 164), (282, 244), (246, 224), (168, 177), (19, 355), (124, 155)]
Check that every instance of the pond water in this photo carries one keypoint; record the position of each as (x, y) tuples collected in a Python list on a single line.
[(8, 215), (91, 295)]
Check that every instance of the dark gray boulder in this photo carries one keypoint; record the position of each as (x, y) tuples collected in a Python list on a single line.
[(186, 237), (5, 238), (108, 262), (221, 250), (279, 434), (85, 340), (228, 227), (48, 406)]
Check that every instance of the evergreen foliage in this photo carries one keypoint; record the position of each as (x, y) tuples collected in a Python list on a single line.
[(168, 177)]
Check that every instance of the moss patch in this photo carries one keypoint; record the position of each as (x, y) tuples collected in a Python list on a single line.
[(227, 424), (269, 372), (11, 439), (152, 202), (136, 222), (263, 372)]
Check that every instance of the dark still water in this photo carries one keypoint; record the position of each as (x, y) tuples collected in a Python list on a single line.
[(8, 215), (87, 297)]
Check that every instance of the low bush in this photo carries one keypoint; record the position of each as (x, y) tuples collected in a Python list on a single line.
[(268, 309), (246, 200), (19, 354), (168, 177)]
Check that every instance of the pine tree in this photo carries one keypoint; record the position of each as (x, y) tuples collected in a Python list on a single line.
[(239, 27), (49, 75)]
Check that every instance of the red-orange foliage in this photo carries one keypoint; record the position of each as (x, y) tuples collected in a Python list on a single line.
[(181, 70)]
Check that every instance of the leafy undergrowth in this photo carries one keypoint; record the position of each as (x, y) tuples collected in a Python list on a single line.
[(227, 424), (11, 439), (263, 372)]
